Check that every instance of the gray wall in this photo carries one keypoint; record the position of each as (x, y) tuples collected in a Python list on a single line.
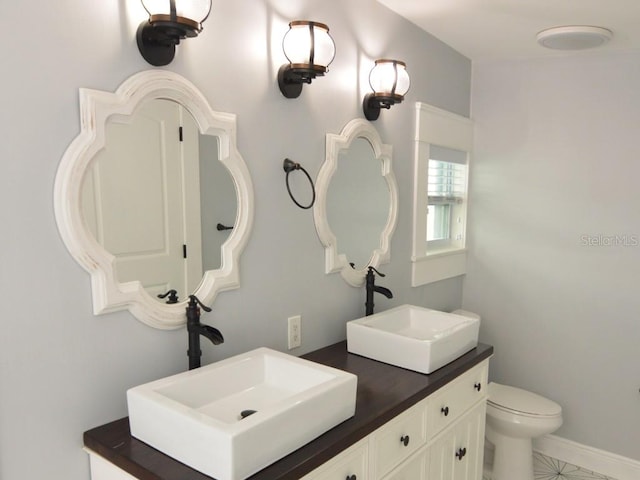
[(554, 177), (62, 370)]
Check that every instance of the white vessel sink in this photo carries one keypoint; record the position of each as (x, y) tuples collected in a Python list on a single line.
[(411, 337), (196, 416)]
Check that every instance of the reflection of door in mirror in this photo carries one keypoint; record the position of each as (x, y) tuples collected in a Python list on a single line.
[(358, 202), (142, 198)]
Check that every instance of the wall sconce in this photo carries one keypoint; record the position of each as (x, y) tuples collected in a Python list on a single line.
[(169, 22), (309, 49), (390, 82)]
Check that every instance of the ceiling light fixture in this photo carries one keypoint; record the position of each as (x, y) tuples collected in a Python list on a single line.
[(574, 37)]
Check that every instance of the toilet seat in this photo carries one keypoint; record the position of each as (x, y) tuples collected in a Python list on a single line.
[(521, 402)]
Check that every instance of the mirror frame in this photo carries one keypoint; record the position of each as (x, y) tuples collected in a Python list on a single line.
[(335, 261), (95, 109)]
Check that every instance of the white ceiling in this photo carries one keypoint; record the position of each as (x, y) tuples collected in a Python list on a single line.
[(493, 29)]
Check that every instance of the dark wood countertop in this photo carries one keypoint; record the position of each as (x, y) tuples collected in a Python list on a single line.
[(384, 391)]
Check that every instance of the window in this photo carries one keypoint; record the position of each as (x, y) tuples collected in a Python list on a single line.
[(446, 195), (443, 144)]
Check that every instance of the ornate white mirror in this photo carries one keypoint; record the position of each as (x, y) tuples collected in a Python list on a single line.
[(153, 196), (357, 201)]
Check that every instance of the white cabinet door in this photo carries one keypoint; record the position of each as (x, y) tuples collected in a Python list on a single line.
[(412, 469), (470, 443), (458, 453), (442, 457)]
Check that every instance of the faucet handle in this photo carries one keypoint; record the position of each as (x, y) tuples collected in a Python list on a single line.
[(194, 301), (379, 274), (172, 294)]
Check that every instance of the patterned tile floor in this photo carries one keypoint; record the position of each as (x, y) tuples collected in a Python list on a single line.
[(547, 468)]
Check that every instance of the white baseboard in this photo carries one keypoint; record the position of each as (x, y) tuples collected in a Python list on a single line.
[(589, 458)]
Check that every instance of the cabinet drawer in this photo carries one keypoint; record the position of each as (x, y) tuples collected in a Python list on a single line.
[(353, 464), (452, 400), (396, 440)]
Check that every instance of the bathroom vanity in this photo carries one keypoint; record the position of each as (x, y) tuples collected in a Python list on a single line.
[(407, 426)]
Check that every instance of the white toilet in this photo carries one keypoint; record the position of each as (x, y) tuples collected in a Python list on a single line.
[(514, 418)]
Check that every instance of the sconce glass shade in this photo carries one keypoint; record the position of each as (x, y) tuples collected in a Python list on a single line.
[(193, 10), (390, 82), (169, 22), (390, 78), (308, 45), (309, 49)]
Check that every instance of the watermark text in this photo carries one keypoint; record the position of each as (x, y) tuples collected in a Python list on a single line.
[(602, 240)]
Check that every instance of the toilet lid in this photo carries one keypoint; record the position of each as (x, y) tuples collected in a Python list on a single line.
[(518, 400)]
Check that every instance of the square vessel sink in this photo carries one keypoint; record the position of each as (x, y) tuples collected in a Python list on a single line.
[(234, 417), (414, 338)]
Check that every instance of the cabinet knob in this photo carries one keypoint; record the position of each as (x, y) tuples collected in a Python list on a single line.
[(477, 386), (461, 453), (404, 440), (352, 477), (445, 411)]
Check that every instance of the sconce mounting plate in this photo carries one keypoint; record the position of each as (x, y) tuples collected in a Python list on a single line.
[(373, 102), (154, 45), (289, 83), (371, 107)]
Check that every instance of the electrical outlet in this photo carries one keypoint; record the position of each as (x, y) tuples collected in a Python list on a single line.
[(295, 333)]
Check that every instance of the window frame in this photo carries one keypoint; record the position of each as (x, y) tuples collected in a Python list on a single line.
[(432, 262)]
